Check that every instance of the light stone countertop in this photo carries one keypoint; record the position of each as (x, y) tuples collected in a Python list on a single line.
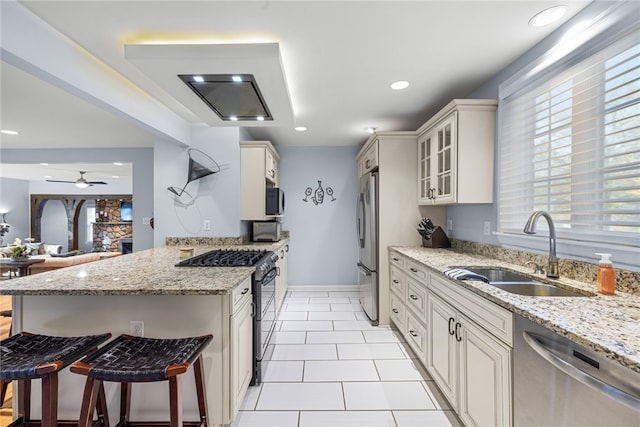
[(607, 324), (148, 272)]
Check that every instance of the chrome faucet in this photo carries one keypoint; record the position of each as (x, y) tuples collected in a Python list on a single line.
[(530, 228)]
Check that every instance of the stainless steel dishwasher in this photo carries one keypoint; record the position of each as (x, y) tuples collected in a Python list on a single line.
[(560, 383)]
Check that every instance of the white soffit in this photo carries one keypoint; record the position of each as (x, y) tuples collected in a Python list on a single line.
[(162, 63)]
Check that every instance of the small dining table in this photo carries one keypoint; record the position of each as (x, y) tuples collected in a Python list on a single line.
[(22, 266)]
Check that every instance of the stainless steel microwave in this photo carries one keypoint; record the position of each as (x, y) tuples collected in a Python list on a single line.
[(275, 201)]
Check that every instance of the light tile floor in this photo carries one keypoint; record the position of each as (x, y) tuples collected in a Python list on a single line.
[(329, 367)]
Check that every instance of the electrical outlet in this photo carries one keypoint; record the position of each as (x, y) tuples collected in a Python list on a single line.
[(136, 328), (487, 228), (207, 224)]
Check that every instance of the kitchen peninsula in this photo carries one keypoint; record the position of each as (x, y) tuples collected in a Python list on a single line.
[(106, 296)]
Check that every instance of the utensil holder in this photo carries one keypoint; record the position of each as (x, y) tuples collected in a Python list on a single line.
[(438, 239)]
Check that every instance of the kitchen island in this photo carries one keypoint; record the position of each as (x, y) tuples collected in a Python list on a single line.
[(106, 296)]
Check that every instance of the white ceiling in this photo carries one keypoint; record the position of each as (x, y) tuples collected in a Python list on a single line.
[(69, 172), (338, 59)]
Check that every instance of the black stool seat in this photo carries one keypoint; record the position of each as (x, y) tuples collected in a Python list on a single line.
[(28, 356), (138, 359)]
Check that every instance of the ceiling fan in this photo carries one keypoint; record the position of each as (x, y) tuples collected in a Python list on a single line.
[(80, 182)]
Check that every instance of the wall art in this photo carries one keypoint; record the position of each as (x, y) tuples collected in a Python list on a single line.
[(317, 196)]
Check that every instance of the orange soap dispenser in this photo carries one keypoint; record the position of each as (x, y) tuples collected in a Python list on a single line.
[(606, 277)]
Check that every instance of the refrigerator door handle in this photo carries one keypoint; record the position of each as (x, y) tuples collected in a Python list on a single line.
[(361, 220), (364, 270)]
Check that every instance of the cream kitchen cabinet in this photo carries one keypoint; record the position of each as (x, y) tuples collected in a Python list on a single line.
[(369, 159), (455, 154), (241, 348), (282, 280), (470, 365), (259, 170)]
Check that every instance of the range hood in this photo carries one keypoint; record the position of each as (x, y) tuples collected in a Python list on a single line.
[(233, 97)]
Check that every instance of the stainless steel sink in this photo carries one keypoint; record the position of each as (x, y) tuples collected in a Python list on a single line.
[(521, 284)]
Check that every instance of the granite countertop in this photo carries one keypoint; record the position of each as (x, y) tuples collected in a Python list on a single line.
[(148, 272), (607, 324)]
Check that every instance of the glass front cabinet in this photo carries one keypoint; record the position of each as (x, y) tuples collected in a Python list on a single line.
[(436, 156)]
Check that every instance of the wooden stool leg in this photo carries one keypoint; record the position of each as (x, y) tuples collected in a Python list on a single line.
[(198, 373), (24, 399), (3, 390), (125, 402), (89, 401), (175, 401), (101, 407), (50, 400)]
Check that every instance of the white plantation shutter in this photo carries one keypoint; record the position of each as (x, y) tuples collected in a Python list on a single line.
[(570, 145)]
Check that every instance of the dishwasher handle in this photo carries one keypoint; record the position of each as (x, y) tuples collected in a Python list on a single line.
[(580, 375)]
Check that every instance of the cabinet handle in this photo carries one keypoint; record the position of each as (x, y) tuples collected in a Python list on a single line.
[(244, 291), (413, 333), (413, 297), (272, 172), (451, 331), (395, 281), (286, 248), (415, 270), (395, 259), (395, 310), (458, 326)]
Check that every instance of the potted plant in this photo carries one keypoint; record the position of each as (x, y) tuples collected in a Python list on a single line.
[(19, 252)]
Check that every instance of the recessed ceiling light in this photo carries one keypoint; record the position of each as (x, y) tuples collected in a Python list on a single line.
[(48, 176), (117, 163), (548, 16), (44, 164), (399, 85), (8, 132), (301, 128), (236, 78), (115, 176), (260, 118), (233, 118), (198, 79), (370, 129)]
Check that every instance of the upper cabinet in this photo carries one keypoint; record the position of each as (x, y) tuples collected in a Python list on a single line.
[(368, 160), (259, 162), (455, 154)]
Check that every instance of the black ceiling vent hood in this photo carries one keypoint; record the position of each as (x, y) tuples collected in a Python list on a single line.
[(233, 97)]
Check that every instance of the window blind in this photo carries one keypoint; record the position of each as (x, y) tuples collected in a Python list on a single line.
[(570, 145)]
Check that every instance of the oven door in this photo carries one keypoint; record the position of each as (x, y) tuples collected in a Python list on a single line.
[(265, 320)]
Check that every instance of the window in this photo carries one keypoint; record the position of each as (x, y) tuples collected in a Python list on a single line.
[(91, 218), (570, 145)]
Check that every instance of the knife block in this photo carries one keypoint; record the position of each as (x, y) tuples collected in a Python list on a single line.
[(438, 239)]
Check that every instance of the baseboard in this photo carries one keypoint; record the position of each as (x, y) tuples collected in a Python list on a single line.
[(328, 288)]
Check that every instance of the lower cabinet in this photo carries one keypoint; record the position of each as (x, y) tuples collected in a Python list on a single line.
[(241, 352), (282, 280), (463, 340)]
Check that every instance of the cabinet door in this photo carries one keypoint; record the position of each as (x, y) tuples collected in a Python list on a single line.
[(241, 356), (270, 166), (444, 155), (441, 348), (485, 377), (425, 185), (281, 279)]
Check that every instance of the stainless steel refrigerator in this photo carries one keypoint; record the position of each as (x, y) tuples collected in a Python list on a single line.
[(368, 243)]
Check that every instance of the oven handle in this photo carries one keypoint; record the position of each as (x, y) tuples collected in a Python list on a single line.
[(578, 374), (270, 275)]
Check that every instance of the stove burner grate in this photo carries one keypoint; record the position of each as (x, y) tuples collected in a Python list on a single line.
[(225, 258)]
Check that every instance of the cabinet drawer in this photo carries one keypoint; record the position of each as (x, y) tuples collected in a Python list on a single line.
[(398, 283), (397, 311), (495, 319), (416, 335), (417, 270), (396, 259), (417, 298), (240, 295)]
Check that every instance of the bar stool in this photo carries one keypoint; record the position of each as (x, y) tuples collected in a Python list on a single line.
[(26, 356), (129, 359)]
